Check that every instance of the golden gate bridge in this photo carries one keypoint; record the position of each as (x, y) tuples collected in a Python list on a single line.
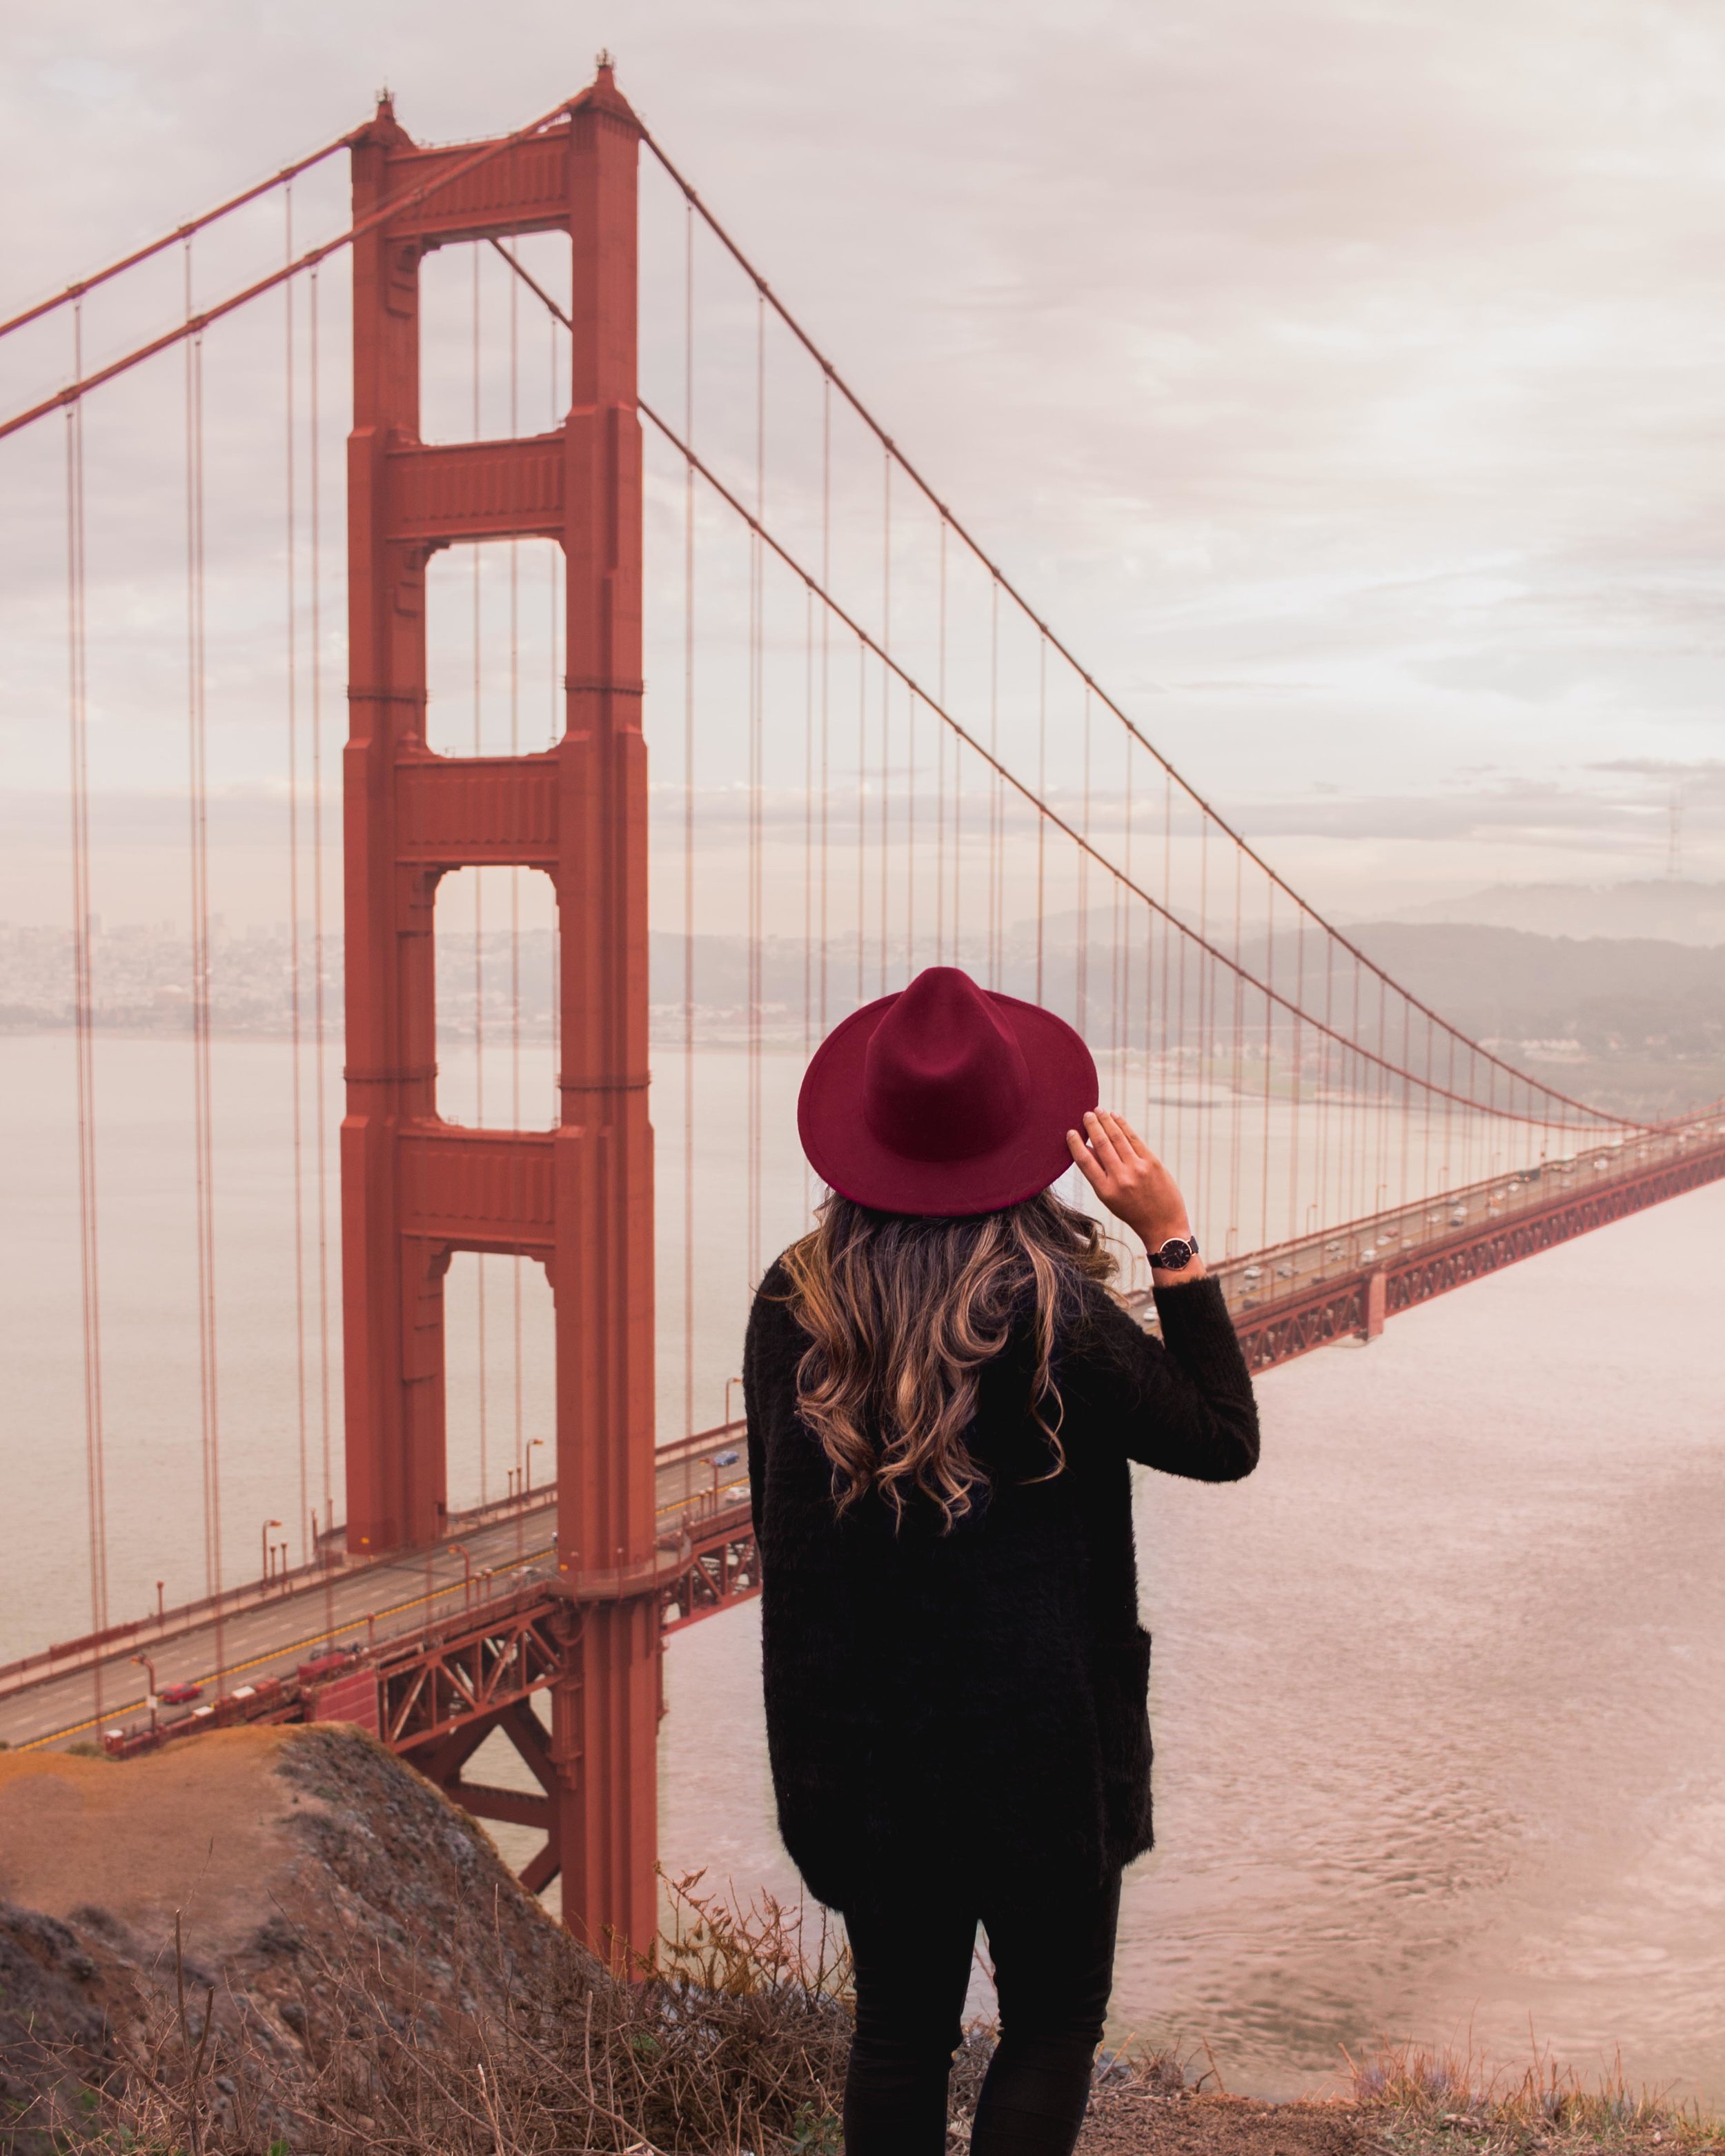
[(603, 499)]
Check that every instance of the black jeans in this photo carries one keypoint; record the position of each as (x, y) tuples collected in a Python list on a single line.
[(1054, 1968)]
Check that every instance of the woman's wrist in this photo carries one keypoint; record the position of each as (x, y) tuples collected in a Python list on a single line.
[(1155, 1234)]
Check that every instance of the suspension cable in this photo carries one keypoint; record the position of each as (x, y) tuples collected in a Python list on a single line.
[(195, 325), (767, 299), (1088, 851), (988, 562), (285, 176)]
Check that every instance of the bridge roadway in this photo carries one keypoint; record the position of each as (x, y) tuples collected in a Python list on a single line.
[(271, 1632), (1286, 1301), (1297, 1296)]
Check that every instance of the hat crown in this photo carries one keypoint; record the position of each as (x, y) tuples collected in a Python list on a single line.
[(944, 1078)]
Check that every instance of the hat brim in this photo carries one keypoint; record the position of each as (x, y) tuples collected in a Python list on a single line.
[(846, 1155)]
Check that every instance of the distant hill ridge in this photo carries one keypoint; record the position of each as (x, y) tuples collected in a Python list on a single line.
[(1670, 908), (1513, 983)]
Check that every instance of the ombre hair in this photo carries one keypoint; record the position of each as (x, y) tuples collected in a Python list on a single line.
[(903, 1312)]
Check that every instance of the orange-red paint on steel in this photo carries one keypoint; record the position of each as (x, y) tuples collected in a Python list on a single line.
[(414, 1189)]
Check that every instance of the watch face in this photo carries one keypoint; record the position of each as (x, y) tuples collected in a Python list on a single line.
[(1174, 1253)]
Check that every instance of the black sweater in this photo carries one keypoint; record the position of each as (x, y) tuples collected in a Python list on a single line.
[(974, 1704)]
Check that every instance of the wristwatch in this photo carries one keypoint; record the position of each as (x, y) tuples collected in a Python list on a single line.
[(1175, 1254)]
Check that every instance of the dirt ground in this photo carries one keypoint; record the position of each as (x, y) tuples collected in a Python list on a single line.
[(205, 1828), (1123, 2122)]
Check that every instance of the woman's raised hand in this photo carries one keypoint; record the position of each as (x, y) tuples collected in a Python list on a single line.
[(1128, 1177)]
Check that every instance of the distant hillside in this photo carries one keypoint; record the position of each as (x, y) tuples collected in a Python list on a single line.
[(1635, 1024), (1667, 908)]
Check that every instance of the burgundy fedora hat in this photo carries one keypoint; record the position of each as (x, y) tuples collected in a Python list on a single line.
[(944, 1099)]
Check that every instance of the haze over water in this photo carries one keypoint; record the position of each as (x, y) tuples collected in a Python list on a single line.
[(1435, 1692)]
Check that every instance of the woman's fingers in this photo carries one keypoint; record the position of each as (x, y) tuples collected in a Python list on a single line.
[(1128, 1176), (1101, 1142), (1085, 1161), (1136, 1142)]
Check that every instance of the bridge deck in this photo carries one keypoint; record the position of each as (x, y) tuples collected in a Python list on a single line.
[(270, 1634)]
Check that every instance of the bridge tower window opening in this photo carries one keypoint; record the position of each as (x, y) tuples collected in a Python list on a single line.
[(499, 1386)]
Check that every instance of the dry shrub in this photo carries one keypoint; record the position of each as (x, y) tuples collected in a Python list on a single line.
[(735, 2041)]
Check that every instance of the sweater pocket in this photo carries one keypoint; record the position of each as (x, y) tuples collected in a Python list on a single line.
[(1123, 1728)]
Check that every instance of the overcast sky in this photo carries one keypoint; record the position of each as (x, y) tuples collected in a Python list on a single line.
[(1345, 379)]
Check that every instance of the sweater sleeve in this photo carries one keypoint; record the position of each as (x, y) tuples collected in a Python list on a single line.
[(764, 1365), (1182, 1404), (752, 1414)]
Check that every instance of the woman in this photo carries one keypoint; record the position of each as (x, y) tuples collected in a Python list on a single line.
[(942, 1400)]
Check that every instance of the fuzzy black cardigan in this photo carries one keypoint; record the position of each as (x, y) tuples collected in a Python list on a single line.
[(973, 1704)]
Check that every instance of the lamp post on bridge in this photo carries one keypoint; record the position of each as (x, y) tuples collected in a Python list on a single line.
[(149, 1670), (264, 1537)]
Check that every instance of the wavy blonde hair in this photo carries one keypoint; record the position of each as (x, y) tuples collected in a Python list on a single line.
[(902, 1314)]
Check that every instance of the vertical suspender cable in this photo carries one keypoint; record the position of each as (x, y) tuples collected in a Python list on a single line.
[(886, 697), (478, 929), (995, 802), (1269, 1049), (203, 1140), (1296, 1073), (940, 849), (1236, 1085), (1083, 956), (83, 1016), (910, 833), (1398, 1172), (1361, 1105), (556, 711), (296, 1022), (1380, 1165), (1150, 987), (1168, 901), (862, 729), (1206, 1046), (689, 826), (313, 507), (1326, 1085), (755, 727), (1041, 795), (807, 859), (514, 876), (1122, 950), (826, 653)]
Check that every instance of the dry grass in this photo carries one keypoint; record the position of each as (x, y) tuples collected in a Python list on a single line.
[(1456, 2098), (735, 2042)]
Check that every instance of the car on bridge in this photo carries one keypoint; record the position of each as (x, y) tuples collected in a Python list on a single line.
[(181, 1695)]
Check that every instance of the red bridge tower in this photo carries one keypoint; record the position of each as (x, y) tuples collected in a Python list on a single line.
[(415, 1187)]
